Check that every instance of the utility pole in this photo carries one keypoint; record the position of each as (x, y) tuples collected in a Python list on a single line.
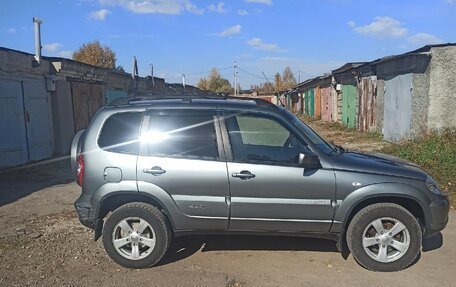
[(183, 81), (235, 78), (152, 74), (299, 76)]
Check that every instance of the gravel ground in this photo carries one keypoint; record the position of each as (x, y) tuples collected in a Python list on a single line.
[(43, 244)]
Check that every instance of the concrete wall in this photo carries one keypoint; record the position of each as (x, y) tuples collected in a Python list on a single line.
[(420, 104), (62, 110), (442, 88)]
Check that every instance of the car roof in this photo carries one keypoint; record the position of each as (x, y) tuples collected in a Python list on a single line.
[(192, 102)]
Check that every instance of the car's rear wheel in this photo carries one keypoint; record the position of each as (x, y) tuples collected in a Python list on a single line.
[(384, 237), (136, 235)]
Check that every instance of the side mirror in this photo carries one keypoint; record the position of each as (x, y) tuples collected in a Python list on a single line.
[(309, 160)]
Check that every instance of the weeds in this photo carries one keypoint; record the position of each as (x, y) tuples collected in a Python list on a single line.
[(436, 153)]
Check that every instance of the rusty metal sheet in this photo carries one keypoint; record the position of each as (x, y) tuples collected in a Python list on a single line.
[(367, 102), (317, 102), (87, 99), (326, 104)]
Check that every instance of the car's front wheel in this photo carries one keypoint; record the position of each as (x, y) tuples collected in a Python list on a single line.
[(384, 237), (136, 235)]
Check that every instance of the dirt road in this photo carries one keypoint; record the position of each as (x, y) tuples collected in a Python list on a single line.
[(43, 244)]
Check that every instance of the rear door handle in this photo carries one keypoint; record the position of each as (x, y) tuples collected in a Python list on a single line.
[(245, 174), (156, 170)]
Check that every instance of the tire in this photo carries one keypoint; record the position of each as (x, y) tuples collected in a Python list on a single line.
[(380, 253), (140, 248)]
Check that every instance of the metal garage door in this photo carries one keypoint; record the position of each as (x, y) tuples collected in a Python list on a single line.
[(13, 142), (24, 122), (349, 106), (39, 132), (87, 99), (397, 118)]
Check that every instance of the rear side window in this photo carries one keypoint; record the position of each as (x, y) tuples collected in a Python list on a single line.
[(120, 133), (191, 136)]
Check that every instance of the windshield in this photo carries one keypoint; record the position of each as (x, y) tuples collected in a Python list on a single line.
[(323, 145)]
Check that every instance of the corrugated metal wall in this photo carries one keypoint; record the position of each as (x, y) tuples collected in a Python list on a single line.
[(397, 116), (367, 95), (349, 106)]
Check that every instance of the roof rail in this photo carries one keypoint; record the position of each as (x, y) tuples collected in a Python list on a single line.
[(186, 99)]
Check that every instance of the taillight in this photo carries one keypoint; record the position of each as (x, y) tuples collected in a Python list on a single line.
[(80, 170)]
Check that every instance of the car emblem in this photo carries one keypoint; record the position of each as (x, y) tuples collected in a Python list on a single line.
[(355, 183)]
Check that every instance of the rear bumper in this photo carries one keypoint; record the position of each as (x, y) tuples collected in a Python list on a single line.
[(439, 209), (83, 209)]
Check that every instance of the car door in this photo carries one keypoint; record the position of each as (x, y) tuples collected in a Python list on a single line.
[(270, 191), (182, 155)]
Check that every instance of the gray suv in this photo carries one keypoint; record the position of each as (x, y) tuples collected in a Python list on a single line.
[(152, 169)]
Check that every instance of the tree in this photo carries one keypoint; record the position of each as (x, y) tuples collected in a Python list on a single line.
[(202, 84), (94, 53), (289, 81), (263, 88), (278, 83), (215, 83)]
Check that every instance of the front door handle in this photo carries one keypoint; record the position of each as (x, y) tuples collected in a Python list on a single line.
[(245, 174), (156, 170)]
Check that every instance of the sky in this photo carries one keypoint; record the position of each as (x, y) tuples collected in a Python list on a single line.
[(190, 37)]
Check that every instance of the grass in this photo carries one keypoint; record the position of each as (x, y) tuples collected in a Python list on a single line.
[(436, 153)]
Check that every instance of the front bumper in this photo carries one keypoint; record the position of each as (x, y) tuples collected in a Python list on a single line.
[(439, 209)]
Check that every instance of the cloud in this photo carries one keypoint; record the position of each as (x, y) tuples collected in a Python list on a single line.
[(169, 7), (450, 1), (99, 14), (193, 9), (257, 43), (242, 12), (52, 47), (219, 8), (266, 2), (11, 30), (65, 54), (381, 27), (236, 29), (422, 39)]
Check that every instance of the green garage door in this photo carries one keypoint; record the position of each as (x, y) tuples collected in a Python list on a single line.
[(349, 106)]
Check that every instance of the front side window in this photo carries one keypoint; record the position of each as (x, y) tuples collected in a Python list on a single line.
[(260, 139), (120, 133), (191, 136)]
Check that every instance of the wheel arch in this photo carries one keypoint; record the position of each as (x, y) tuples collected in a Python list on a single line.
[(410, 204), (404, 195), (111, 202)]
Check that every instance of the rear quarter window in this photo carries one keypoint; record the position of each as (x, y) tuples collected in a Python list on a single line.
[(120, 133)]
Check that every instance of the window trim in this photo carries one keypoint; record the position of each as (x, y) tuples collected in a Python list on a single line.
[(143, 151), (281, 121)]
